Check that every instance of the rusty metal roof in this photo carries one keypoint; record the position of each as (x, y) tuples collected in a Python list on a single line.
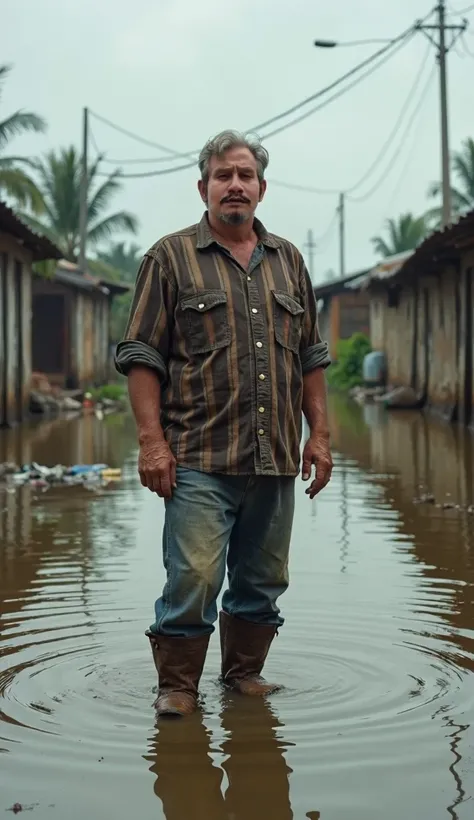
[(41, 247), (338, 285), (69, 273), (439, 246)]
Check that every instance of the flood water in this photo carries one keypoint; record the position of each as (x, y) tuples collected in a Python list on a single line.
[(376, 655)]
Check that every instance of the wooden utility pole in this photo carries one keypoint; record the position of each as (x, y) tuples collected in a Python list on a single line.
[(83, 194), (440, 29), (311, 246), (342, 236)]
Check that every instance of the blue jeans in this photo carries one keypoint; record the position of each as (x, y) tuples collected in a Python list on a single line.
[(217, 521)]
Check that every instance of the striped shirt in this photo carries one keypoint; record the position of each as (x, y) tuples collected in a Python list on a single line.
[(230, 346)]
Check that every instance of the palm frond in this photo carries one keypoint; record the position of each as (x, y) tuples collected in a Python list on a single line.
[(121, 221), (20, 122), (18, 185)]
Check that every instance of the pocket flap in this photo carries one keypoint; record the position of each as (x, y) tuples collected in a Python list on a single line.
[(205, 300), (288, 302)]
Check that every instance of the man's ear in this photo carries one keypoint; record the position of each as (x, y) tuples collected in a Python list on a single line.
[(202, 188), (263, 188)]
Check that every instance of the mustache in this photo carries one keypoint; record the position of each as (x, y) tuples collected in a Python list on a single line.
[(242, 199)]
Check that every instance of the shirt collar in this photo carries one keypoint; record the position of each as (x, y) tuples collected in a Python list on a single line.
[(205, 237)]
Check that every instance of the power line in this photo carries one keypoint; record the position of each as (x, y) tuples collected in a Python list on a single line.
[(338, 93), (393, 46), (138, 138), (304, 188), (337, 82), (396, 127), (397, 152), (461, 11)]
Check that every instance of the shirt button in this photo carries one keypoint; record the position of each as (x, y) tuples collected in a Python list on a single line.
[(261, 409), (254, 310), (249, 278), (261, 432), (262, 377), (201, 306), (259, 344)]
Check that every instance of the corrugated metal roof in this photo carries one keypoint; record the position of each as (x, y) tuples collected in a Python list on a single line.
[(334, 286), (41, 247), (437, 246), (69, 273)]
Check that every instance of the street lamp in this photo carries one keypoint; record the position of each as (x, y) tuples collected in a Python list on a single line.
[(325, 43)]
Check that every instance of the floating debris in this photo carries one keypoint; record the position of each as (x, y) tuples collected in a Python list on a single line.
[(42, 477), (428, 498)]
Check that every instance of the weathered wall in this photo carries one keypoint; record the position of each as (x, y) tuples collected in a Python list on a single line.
[(378, 303), (354, 313), (15, 330), (343, 315), (392, 331), (427, 336)]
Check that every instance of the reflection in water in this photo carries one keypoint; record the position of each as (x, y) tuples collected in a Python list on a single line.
[(257, 774), (376, 654)]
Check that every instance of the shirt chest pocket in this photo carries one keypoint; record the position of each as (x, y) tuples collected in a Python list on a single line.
[(206, 320), (287, 320)]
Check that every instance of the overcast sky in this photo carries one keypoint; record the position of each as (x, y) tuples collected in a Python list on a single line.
[(177, 71)]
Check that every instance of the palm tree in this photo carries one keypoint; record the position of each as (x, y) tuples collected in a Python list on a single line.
[(125, 260), (60, 182), (404, 234), (462, 196), (14, 180)]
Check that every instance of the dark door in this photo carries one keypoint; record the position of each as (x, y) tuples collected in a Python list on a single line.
[(469, 383), (19, 364), (48, 333), (427, 342), (4, 352)]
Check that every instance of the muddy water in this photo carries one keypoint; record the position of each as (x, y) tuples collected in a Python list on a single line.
[(377, 653)]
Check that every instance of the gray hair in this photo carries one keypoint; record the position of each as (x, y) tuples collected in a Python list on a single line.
[(218, 145)]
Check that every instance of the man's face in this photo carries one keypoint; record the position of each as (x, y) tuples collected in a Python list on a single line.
[(233, 190)]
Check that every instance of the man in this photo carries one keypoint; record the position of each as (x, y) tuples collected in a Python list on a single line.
[(222, 354)]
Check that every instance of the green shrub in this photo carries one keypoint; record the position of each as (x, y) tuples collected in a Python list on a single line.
[(346, 372), (114, 392)]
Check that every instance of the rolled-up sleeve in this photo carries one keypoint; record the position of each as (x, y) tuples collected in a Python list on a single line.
[(314, 352), (147, 336)]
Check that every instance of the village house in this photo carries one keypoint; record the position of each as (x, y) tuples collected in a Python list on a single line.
[(343, 309), (422, 317), (70, 327), (56, 324), (20, 247)]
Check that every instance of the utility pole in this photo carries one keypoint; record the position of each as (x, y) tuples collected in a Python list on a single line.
[(311, 246), (442, 50), (83, 194), (342, 236)]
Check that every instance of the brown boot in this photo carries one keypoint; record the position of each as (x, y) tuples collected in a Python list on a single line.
[(179, 663), (244, 648)]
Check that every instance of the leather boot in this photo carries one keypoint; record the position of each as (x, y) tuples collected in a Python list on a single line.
[(179, 663), (244, 648)]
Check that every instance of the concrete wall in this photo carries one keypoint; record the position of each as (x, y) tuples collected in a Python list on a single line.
[(15, 329)]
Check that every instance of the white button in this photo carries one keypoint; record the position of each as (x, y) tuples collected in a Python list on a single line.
[(262, 377), (254, 310), (261, 432), (249, 278), (201, 306), (261, 409), (259, 344)]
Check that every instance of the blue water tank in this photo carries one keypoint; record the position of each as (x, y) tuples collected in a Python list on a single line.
[(374, 369)]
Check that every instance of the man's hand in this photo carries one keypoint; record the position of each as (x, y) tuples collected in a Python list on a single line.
[(317, 452), (157, 467)]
